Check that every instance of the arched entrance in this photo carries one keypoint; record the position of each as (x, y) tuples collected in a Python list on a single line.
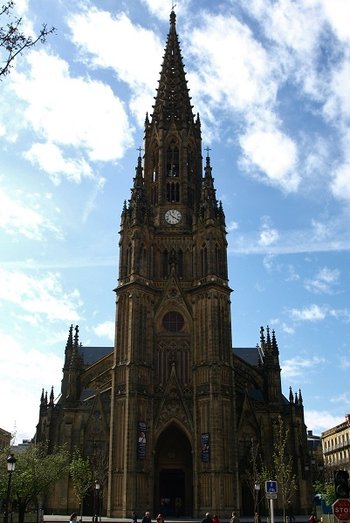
[(173, 482)]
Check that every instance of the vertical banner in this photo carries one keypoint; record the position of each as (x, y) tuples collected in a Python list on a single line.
[(141, 440), (205, 447)]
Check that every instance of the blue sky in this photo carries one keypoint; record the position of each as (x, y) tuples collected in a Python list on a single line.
[(270, 79)]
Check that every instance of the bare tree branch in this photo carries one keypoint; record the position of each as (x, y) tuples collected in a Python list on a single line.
[(13, 41)]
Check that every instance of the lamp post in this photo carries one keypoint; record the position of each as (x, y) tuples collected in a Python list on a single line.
[(96, 502), (11, 465), (256, 497)]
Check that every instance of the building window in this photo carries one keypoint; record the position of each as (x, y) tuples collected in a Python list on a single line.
[(172, 160), (172, 192), (173, 321)]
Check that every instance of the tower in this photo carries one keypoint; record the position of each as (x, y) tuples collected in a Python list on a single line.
[(170, 417), (173, 420)]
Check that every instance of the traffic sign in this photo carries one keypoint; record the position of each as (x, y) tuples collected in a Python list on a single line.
[(341, 509), (271, 487)]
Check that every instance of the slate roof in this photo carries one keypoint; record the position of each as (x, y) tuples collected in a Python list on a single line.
[(248, 354), (92, 354)]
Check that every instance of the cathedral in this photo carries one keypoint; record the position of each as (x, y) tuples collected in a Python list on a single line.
[(169, 416)]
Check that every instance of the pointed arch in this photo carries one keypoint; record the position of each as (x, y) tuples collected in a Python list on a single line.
[(173, 159), (173, 466), (204, 260)]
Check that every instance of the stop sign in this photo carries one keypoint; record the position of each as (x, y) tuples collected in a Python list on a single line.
[(341, 509)]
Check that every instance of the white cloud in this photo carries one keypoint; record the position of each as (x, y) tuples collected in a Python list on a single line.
[(341, 182), (337, 13), (268, 236), (296, 367), (321, 230), (311, 313), (324, 281), (234, 69), (16, 218), (25, 366), (232, 226), (107, 41), (105, 330), (338, 103), (49, 158), (287, 329), (71, 112), (340, 314), (321, 420), (341, 398), (44, 297), (273, 153), (161, 9)]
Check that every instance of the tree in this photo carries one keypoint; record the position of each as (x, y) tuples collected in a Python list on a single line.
[(253, 473), (13, 41), (82, 478), (327, 492), (35, 474), (283, 465)]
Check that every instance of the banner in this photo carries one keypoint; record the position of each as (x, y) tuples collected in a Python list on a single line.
[(205, 448), (141, 440)]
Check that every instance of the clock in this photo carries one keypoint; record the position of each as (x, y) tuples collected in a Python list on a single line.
[(173, 216)]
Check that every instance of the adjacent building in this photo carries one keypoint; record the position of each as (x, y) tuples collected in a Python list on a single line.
[(5, 438), (336, 448), (169, 416)]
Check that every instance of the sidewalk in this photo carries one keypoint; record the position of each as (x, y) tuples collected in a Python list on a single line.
[(88, 519)]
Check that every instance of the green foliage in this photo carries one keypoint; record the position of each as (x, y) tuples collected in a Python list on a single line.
[(35, 474), (12, 39), (281, 468), (283, 465), (82, 477), (326, 490)]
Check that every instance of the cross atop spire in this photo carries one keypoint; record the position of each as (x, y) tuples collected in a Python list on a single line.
[(172, 101)]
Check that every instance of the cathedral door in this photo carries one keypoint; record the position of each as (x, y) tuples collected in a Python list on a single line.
[(173, 474)]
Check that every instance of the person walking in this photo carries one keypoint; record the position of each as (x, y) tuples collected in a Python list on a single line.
[(207, 518), (147, 517), (234, 518), (216, 519), (312, 518), (257, 518)]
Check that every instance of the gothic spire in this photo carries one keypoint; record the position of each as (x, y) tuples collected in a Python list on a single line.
[(52, 397), (138, 202), (208, 202), (172, 101)]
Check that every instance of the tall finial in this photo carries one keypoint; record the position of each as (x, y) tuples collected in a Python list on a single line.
[(172, 15)]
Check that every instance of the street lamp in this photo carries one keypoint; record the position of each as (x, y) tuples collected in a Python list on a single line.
[(256, 496), (11, 465), (96, 501)]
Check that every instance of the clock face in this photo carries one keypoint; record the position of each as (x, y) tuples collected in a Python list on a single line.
[(173, 216)]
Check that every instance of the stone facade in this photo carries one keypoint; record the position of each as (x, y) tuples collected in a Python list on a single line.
[(168, 417), (336, 448)]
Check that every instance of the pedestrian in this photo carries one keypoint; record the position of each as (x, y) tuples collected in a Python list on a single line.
[(291, 517), (257, 518), (312, 518), (216, 519), (234, 518), (133, 517), (207, 518), (73, 517), (147, 518), (160, 518)]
